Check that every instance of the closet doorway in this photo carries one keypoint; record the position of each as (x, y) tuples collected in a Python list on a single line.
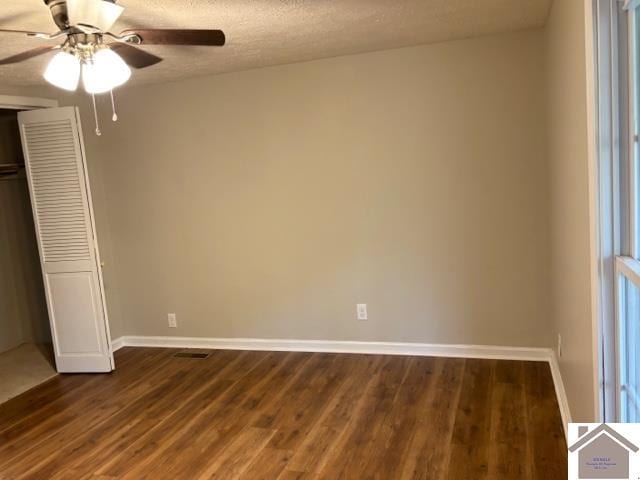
[(45, 145), (26, 351)]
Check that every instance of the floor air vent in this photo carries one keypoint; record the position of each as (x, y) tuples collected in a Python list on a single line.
[(198, 356)]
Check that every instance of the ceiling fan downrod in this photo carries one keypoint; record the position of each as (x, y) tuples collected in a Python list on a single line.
[(59, 13)]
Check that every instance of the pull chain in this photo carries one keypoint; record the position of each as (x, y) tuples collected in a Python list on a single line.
[(113, 108), (95, 114)]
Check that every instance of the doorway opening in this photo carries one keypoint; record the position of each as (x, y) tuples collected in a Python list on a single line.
[(26, 351)]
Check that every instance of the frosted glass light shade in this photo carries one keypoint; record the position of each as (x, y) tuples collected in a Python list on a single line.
[(63, 71), (106, 72)]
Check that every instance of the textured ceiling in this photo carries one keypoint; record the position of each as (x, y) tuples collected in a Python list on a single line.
[(271, 32)]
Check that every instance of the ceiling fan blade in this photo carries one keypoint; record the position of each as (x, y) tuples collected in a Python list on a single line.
[(23, 32), (21, 57), (135, 57), (155, 36), (101, 14)]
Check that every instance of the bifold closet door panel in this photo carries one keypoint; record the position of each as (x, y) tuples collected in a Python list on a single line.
[(61, 201)]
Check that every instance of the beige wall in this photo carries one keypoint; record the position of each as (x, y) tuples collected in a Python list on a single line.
[(23, 311), (570, 230), (100, 202), (268, 203)]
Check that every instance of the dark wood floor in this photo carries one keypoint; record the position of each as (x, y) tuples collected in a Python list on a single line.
[(265, 415)]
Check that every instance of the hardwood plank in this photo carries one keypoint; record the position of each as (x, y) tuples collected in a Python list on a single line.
[(410, 404), (546, 438), (210, 430), (191, 425), (238, 455), (469, 453), (288, 416), (128, 446), (366, 422), (61, 415), (293, 475), (48, 440), (305, 407), (509, 459), (429, 448), (269, 464), (60, 389), (323, 437)]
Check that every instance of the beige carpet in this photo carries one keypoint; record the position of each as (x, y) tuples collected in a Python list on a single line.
[(23, 368)]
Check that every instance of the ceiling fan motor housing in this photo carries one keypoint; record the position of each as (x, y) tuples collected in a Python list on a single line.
[(59, 12)]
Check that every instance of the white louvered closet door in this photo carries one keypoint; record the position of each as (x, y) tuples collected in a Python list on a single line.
[(61, 200)]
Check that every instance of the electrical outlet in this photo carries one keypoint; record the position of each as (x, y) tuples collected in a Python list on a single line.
[(559, 346), (361, 310), (173, 322)]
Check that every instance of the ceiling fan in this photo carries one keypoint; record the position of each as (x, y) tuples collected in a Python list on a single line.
[(89, 50)]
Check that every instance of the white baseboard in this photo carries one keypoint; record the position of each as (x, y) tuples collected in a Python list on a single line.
[(330, 346), (561, 394), (117, 344), (381, 348)]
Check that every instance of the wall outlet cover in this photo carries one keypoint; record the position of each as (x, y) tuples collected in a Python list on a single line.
[(559, 346), (173, 322), (361, 310)]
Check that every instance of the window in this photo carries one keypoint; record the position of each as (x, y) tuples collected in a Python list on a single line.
[(629, 308), (617, 47), (633, 177), (627, 263)]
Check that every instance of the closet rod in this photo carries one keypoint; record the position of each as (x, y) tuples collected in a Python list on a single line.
[(10, 170)]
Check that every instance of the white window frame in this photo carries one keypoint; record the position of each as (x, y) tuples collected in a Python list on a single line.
[(628, 272), (633, 138), (615, 165), (627, 264), (617, 124), (609, 147)]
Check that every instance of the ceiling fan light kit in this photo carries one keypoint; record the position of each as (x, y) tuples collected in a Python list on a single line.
[(63, 71), (102, 70), (84, 25)]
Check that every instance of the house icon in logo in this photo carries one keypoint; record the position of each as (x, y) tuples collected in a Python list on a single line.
[(602, 453)]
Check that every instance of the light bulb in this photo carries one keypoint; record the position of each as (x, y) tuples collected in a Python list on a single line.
[(104, 72), (63, 71)]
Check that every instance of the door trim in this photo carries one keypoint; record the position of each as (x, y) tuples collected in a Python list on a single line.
[(13, 102)]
